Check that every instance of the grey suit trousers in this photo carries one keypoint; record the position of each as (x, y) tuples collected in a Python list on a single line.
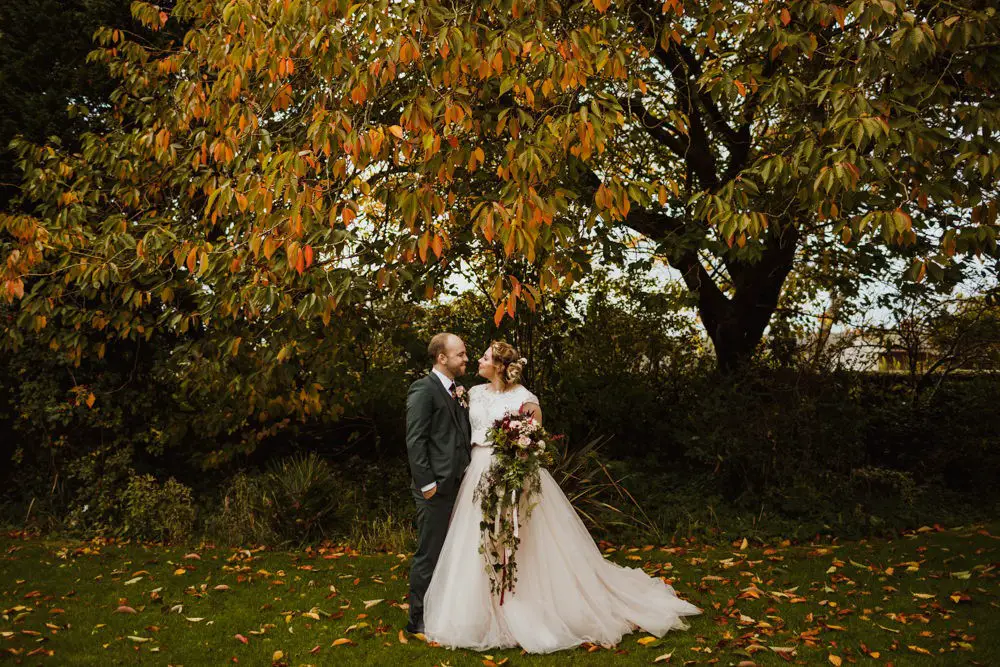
[(432, 527)]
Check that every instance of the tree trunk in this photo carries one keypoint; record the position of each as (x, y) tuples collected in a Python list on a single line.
[(736, 323)]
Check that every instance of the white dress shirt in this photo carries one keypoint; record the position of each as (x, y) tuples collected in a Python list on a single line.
[(447, 382)]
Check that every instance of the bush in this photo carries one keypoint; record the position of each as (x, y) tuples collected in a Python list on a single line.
[(247, 515), (308, 499), (155, 512), (298, 499), (94, 483)]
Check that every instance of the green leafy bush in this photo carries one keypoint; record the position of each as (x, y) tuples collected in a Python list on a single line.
[(157, 512)]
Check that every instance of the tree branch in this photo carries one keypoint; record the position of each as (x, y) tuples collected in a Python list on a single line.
[(653, 125)]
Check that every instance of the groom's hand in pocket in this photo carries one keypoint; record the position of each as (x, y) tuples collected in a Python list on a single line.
[(429, 493)]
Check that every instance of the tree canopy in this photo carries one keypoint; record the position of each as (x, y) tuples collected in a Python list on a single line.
[(286, 161)]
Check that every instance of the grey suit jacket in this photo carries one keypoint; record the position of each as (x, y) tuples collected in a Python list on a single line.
[(438, 436)]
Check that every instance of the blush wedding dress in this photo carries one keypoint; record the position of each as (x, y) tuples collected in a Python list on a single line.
[(566, 592)]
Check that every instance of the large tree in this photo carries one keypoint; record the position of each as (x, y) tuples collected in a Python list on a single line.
[(288, 158)]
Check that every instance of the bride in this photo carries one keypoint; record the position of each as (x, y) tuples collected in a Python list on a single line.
[(566, 592)]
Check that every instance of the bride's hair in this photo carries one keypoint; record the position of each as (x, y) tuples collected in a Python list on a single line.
[(511, 363)]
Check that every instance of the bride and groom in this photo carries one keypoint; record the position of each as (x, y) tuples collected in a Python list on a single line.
[(566, 592)]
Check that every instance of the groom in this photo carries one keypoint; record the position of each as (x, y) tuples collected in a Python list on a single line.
[(438, 444)]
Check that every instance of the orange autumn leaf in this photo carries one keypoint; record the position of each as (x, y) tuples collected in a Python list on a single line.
[(498, 315), (347, 215)]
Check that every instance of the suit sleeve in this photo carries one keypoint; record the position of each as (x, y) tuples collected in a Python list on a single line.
[(419, 409)]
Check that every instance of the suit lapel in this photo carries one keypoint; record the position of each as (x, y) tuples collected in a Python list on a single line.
[(452, 407)]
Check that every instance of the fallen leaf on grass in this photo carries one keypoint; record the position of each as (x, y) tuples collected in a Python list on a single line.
[(39, 651), (343, 641), (134, 580), (663, 658), (646, 641), (402, 638), (242, 639), (371, 603), (140, 640), (835, 660), (917, 649), (195, 620), (125, 609)]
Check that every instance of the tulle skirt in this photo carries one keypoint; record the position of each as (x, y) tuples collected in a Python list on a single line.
[(566, 592)]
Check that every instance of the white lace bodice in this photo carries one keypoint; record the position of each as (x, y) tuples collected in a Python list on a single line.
[(486, 406)]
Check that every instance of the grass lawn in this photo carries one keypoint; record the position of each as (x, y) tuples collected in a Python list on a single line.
[(927, 598)]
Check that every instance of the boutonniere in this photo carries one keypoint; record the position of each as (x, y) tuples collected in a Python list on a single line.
[(462, 396)]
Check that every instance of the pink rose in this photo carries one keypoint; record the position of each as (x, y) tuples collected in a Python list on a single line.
[(523, 441)]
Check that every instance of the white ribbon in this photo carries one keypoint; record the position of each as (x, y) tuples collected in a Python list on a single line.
[(513, 500)]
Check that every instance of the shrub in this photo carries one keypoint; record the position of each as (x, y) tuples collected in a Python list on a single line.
[(298, 499), (307, 496), (247, 515), (155, 512), (95, 482)]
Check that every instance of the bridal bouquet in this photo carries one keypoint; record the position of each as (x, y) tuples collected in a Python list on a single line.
[(520, 448)]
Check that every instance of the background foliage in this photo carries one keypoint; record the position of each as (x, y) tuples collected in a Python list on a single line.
[(228, 233)]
